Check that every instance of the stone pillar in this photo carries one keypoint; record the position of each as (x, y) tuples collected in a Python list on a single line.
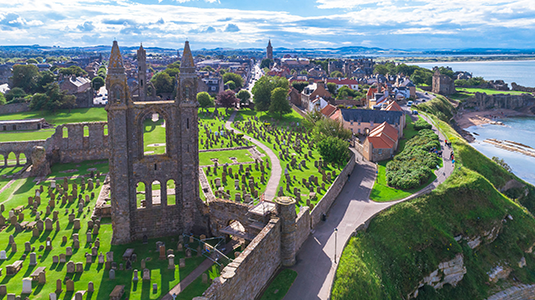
[(288, 216)]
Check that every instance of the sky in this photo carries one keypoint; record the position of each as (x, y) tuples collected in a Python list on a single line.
[(387, 24)]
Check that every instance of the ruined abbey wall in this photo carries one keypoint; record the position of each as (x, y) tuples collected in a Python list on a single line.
[(483, 101), (78, 142)]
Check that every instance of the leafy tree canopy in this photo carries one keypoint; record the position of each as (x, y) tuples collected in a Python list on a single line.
[(205, 100), (266, 62), (262, 90), (97, 83), (244, 96), (279, 102), (163, 83), (299, 85), (72, 70), (226, 99), (238, 80)]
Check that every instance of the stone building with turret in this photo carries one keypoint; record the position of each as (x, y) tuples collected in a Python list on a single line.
[(442, 84)]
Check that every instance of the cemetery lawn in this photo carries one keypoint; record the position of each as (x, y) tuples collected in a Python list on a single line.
[(17, 195), (197, 287), (285, 123), (223, 157), (280, 285)]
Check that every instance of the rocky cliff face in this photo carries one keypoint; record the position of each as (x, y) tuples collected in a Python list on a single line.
[(483, 101)]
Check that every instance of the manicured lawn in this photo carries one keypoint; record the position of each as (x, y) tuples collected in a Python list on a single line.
[(62, 116), (18, 194), (26, 135), (280, 285), (489, 91), (223, 157)]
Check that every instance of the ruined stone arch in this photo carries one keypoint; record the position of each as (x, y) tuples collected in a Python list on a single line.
[(116, 93), (147, 113)]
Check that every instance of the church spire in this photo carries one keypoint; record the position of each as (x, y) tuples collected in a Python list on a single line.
[(269, 43), (116, 60), (187, 64)]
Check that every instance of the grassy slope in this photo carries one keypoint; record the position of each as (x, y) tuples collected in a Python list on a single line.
[(407, 242)]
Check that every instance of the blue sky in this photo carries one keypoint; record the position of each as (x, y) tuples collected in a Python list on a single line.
[(389, 24)]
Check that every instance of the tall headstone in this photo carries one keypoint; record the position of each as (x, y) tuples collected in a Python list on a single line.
[(26, 285)]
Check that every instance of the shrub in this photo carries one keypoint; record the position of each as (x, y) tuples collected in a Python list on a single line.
[(421, 124)]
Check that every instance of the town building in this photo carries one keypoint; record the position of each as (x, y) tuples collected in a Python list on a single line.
[(363, 121), (442, 84), (381, 143)]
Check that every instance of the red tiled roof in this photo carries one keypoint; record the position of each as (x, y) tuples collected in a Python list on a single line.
[(328, 110), (371, 92), (383, 136), (336, 115), (394, 106)]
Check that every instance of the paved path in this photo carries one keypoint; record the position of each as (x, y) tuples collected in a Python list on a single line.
[(276, 170), (316, 264)]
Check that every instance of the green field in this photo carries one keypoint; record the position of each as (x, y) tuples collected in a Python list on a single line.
[(280, 285), (62, 116), (488, 91)]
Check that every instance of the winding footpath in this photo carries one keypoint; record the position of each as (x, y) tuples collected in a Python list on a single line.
[(276, 170), (316, 264)]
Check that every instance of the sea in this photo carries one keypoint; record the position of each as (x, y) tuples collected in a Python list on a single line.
[(520, 130), (519, 71)]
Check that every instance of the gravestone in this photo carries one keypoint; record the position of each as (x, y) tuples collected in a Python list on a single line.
[(68, 251), (26, 285), (62, 258), (55, 259), (79, 267), (90, 287), (143, 264), (42, 277), (146, 274), (70, 267), (33, 259), (88, 235), (69, 285), (182, 262), (27, 247), (101, 258), (171, 259), (3, 290), (135, 276), (58, 286), (52, 296), (204, 278), (112, 274), (76, 225)]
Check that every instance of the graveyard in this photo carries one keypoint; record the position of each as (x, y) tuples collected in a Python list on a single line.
[(57, 245)]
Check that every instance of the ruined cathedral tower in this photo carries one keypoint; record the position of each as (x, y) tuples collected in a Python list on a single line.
[(169, 204)]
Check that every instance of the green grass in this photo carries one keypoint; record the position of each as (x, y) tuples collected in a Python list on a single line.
[(223, 157), (18, 194), (284, 124), (280, 285), (197, 287), (62, 116), (29, 135), (489, 91)]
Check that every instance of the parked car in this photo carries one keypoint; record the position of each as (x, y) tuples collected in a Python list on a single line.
[(414, 112), (409, 104)]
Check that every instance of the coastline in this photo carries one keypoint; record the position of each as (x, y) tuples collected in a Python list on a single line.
[(467, 119)]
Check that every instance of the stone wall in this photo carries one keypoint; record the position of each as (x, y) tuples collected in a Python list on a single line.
[(483, 101), (246, 277), (34, 124), (14, 108), (303, 227), (335, 189), (76, 147), (520, 292), (18, 148)]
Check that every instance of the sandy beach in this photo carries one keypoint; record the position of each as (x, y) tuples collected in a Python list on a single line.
[(466, 119)]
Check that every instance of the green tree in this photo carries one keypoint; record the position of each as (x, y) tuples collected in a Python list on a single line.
[(32, 61), (14, 94), (299, 85), (262, 90), (43, 78), (380, 69), (244, 96), (205, 100), (208, 69), (304, 72), (332, 87), (226, 99), (266, 63), (25, 77), (422, 76), (53, 99), (334, 150), (238, 80), (2, 99), (231, 85), (279, 102), (72, 70), (446, 71), (97, 83), (337, 74), (405, 69), (328, 127), (163, 83)]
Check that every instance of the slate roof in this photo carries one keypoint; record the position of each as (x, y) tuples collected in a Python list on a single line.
[(368, 115)]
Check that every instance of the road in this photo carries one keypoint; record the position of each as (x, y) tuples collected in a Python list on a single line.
[(318, 257)]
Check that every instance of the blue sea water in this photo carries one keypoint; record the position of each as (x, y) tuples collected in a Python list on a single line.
[(519, 71), (520, 130)]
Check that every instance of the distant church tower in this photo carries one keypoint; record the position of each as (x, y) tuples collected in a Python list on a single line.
[(175, 207), (142, 73), (269, 51)]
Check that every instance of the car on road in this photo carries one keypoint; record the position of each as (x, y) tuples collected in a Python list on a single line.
[(409, 104), (426, 93)]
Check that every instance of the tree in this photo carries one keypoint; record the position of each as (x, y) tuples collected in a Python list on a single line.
[(24, 77), (97, 83), (32, 61), (380, 69), (53, 99), (262, 90), (163, 83), (226, 99), (2, 99), (238, 80), (299, 85), (422, 76), (205, 100), (311, 118), (279, 102), (328, 127), (266, 63), (304, 72), (43, 78), (208, 68), (244, 97), (231, 85), (337, 74), (332, 87), (72, 70), (446, 71), (14, 94), (334, 150)]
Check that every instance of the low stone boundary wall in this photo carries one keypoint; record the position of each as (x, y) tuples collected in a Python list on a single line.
[(303, 227), (521, 292), (328, 199), (299, 111), (14, 108), (246, 276)]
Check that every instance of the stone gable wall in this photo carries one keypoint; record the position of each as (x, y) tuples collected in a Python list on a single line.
[(14, 108), (335, 189), (246, 277), (76, 147)]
